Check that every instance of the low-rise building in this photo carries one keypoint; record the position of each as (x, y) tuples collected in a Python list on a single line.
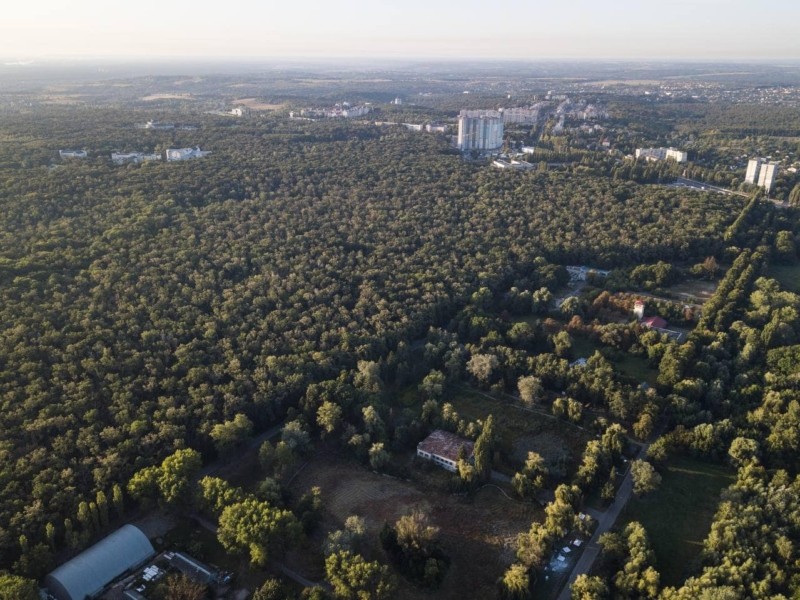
[(174, 154), (89, 573), (436, 128), (444, 448), (514, 165), (121, 158), (72, 153), (656, 154)]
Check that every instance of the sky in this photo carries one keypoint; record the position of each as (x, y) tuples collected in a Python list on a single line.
[(407, 29)]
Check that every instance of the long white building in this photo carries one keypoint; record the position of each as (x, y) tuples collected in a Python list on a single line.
[(654, 154), (524, 116), (174, 154), (480, 130)]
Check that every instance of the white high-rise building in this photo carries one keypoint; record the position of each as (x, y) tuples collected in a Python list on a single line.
[(760, 173), (753, 167), (767, 175), (480, 130)]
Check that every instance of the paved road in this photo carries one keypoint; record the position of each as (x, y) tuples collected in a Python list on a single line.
[(682, 182), (605, 521)]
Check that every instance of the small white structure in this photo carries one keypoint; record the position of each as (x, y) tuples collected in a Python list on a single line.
[(238, 111), (72, 153), (528, 150), (174, 154), (638, 309), (158, 125), (443, 448), (397, 101), (436, 128)]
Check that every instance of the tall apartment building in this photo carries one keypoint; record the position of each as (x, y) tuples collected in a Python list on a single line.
[(760, 173), (753, 167), (525, 116), (480, 130), (767, 175)]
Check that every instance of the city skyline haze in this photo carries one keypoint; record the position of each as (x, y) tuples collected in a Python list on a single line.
[(575, 29)]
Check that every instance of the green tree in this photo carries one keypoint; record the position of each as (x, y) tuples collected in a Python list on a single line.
[(586, 587), (231, 434), (257, 528), (743, 451), (484, 447), (271, 589), (531, 479), (515, 583), (354, 578), (482, 367), (645, 478), (13, 587), (378, 456), (530, 389), (433, 385), (176, 474), (329, 417)]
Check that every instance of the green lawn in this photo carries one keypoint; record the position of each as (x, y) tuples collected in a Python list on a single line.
[(520, 430), (787, 275), (678, 516), (633, 366)]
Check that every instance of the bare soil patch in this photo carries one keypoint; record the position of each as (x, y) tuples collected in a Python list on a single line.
[(477, 533), (701, 290), (257, 104)]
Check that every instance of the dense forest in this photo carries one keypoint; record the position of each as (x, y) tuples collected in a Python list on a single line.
[(143, 305)]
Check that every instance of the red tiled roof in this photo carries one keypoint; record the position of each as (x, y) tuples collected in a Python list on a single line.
[(656, 322), (445, 444)]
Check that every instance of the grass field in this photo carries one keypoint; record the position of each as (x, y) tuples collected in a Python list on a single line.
[(627, 364), (520, 431), (787, 275), (477, 533), (678, 516)]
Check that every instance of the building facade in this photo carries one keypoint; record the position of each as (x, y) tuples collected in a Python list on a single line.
[(753, 167), (480, 130), (767, 175)]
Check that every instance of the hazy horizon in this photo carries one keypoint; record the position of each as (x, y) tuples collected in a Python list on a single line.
[(700, 30)]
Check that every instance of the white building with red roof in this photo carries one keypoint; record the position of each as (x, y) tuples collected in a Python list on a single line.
[(443, 448)]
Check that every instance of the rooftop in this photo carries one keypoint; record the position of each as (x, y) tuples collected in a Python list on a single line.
[(445, 444)]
